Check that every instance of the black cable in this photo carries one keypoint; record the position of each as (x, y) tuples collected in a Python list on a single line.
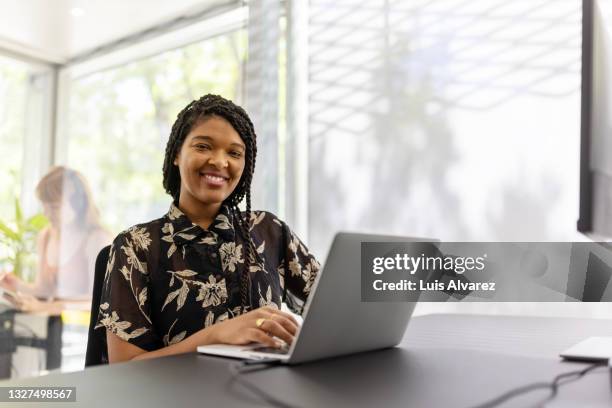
[(553, 386), (512, 393), (249, 366), (579, 374)]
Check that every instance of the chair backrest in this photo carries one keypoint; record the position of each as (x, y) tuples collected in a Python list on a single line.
[(96, 340)]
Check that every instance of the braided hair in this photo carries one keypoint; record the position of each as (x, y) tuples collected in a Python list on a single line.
[(196, 111)]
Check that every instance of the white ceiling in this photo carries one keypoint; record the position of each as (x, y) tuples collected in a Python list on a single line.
[(60, 29)]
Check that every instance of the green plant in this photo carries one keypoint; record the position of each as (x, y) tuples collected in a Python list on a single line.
[(18, 241)]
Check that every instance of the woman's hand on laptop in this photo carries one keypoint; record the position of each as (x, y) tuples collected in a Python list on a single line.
[(257, 326)]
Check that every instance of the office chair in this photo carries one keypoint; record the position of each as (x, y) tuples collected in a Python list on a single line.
[(97, 352)]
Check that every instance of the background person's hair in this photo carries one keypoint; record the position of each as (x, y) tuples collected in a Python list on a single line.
[(65, 184), (194, 113)]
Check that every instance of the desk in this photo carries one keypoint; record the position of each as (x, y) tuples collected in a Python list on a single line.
[(444, 360), (40, 330)]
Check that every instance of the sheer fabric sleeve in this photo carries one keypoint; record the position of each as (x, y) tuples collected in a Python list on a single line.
[(125, 308), (298, 269)]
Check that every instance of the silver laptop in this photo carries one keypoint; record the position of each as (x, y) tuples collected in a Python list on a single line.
[(336, 321)]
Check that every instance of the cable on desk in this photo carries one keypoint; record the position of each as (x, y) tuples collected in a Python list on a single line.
[(577, 374), (553, 385), (249, 366)]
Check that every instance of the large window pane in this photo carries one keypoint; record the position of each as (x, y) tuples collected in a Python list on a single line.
[(444, 119), (13, 93), (120, 120), (24, 139), (25, 110)]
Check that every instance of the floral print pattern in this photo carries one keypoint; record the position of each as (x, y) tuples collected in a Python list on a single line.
[(231, 255), (168, 278)]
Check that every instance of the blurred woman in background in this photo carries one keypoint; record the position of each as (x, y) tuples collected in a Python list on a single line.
[(67, 247)]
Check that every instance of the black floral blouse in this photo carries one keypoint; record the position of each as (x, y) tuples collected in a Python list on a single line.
[(168, 278)]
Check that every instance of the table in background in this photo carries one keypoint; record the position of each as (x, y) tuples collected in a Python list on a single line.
[(14, 333)]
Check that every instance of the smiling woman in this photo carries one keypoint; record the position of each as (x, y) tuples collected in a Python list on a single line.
[(206, 272), (210, 162)]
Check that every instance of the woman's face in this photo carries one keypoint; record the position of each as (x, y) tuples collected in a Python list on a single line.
[(52, 211), (59, 213), (211, 162)]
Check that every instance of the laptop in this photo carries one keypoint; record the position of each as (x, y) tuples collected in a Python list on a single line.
[(336, 321)]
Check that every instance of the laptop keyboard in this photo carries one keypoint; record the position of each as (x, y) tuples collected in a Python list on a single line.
[(271, 350)]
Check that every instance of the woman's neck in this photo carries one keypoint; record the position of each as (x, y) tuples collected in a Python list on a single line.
[(198, 212)]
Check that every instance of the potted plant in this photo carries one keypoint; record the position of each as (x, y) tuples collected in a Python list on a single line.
[(18, 242)]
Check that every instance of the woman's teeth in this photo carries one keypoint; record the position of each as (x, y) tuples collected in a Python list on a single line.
[(215, 179)]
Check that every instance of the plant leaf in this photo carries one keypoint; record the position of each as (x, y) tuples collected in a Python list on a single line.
[(37, 222), (8, 232), (18, 212)]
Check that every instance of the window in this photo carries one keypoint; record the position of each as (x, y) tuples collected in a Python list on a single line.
[(120, 119), (24, 134), (444, 119), (451, 120), (13, 101)]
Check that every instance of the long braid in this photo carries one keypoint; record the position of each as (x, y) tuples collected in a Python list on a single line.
[(244, 223), (250, 252), (207, 106), (244, 281)]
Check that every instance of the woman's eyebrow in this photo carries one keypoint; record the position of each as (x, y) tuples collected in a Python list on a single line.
[(210, 139), (206, 138)]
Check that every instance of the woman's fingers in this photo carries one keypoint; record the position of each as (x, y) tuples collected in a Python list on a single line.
[(15, 300), (265, 325), (258, 336), (286, 323), (276, 329), (275, 311)]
